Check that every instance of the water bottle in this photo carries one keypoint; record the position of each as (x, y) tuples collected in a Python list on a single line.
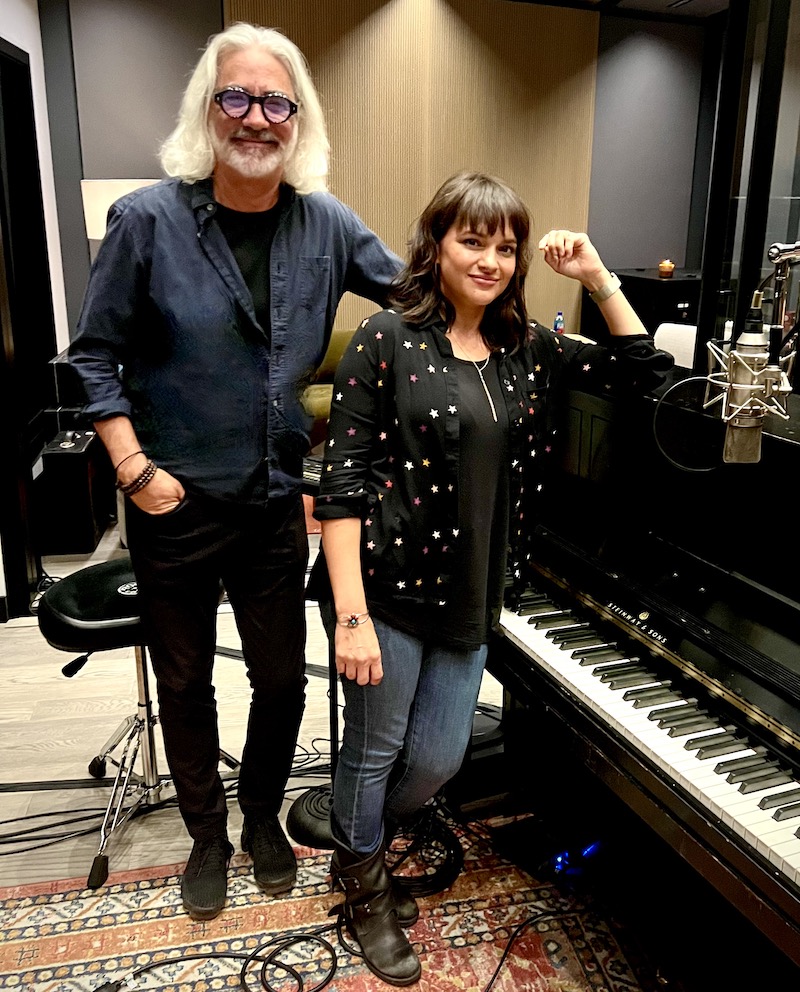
[(558, 323)]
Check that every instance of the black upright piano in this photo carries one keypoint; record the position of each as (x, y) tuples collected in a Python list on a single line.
[(658, 625)]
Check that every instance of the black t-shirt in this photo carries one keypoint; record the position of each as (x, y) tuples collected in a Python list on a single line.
[(249, 236)]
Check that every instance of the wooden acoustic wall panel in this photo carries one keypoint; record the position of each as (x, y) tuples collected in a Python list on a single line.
[(414, 90)]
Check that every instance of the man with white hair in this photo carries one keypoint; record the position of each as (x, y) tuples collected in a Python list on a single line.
[(209, 307)]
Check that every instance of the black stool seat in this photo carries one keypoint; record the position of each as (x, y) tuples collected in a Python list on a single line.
[(94, 609)]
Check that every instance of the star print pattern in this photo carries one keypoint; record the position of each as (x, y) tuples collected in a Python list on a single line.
[(393, 460)]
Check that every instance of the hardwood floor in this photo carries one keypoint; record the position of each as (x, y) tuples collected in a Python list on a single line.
[(53, 726)]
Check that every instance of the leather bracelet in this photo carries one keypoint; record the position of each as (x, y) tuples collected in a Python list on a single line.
[(141, 480), (122, 462), (605, 291), (352, 619)]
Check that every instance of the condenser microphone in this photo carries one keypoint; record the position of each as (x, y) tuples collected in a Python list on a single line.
[(753, 384), (743, 411)]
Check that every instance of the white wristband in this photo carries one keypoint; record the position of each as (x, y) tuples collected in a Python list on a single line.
[(609, 289)]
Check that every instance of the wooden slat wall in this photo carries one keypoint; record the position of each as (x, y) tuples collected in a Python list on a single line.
[(415, 90)]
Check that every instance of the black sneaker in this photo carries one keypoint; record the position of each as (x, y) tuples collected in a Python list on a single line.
[(274, 863), (205, 878)]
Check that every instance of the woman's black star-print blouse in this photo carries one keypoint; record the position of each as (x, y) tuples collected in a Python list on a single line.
[(393, 456)]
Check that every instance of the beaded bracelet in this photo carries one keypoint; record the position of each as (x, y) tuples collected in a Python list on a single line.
[(141, 480), (352, 619)]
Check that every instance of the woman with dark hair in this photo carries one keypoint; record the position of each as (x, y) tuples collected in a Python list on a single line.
[(437, 438)]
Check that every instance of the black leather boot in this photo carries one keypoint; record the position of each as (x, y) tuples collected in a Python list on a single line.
[(404, 901), (371, 918), (405, 904)]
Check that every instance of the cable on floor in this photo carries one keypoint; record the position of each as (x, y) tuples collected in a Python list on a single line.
[(428, 842), (267, 960), (42, 586)]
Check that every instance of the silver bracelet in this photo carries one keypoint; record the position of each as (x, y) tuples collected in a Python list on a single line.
[(352, 619), (609, 289)]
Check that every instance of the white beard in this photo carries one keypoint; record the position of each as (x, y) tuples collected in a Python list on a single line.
[(253, 162)]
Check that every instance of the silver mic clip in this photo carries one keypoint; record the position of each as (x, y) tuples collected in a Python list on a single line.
[(750, 387)]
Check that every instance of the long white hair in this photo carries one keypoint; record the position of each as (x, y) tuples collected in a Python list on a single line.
[(187, 152)]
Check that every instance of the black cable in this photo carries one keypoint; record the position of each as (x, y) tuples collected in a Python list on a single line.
[(42, 586), (283, 942), (11, 838), (279, 943), (516, 932), (683, 468), (433, 844)]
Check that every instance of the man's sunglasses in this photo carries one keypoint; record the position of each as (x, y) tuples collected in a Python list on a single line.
[(236, 103)]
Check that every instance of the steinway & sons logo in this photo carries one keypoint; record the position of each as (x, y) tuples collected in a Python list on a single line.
[(641, 621)]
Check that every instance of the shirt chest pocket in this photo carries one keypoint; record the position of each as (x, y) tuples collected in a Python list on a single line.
[(313, 284)]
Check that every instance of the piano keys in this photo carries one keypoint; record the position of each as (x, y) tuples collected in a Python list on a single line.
[(739, 783)]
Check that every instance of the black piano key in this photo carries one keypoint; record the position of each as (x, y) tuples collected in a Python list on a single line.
[(651, 692), (686, 713), (554, 634), (562, 619), (692, 726), (748, 761), (548, 610), (787, 812), (757, 770), (670, 710), (570, 645), (728, 746), (726, 734), (758, 785), (576, 630), (527, 605), (770, 802), (597, 649), (667, 696), (530, 592), (608, 672), (629, 681), (586, 661), (622, 666)]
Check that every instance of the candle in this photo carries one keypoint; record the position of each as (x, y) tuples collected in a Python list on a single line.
[(666, 268)]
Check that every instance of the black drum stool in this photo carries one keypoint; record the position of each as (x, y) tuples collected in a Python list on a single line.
[(95, 609)]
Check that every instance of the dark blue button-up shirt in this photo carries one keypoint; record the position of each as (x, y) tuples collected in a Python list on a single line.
[(168, 335)]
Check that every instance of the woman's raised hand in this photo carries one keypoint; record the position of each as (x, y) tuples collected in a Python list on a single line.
[(573, 255)]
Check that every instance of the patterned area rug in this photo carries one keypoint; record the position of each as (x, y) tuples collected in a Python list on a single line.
[(62, 937)]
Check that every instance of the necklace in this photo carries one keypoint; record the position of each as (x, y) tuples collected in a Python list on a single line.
[(480, 369)]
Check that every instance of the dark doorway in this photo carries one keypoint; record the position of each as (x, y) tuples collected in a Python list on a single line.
[(27, 326)]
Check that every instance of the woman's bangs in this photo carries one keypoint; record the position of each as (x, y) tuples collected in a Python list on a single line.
[(489, 209)]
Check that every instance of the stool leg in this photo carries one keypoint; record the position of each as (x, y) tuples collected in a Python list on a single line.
[(140, 738), (116, 814), (144, 711), (98, 766)]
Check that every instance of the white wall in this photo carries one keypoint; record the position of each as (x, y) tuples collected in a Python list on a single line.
[(19, 25)]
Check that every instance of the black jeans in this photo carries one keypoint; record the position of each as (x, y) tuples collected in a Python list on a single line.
[(259, 554)]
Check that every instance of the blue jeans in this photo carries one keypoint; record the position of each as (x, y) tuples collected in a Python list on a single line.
[(404, 738)]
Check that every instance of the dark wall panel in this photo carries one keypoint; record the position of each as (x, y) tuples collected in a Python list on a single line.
[(132, 62)]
